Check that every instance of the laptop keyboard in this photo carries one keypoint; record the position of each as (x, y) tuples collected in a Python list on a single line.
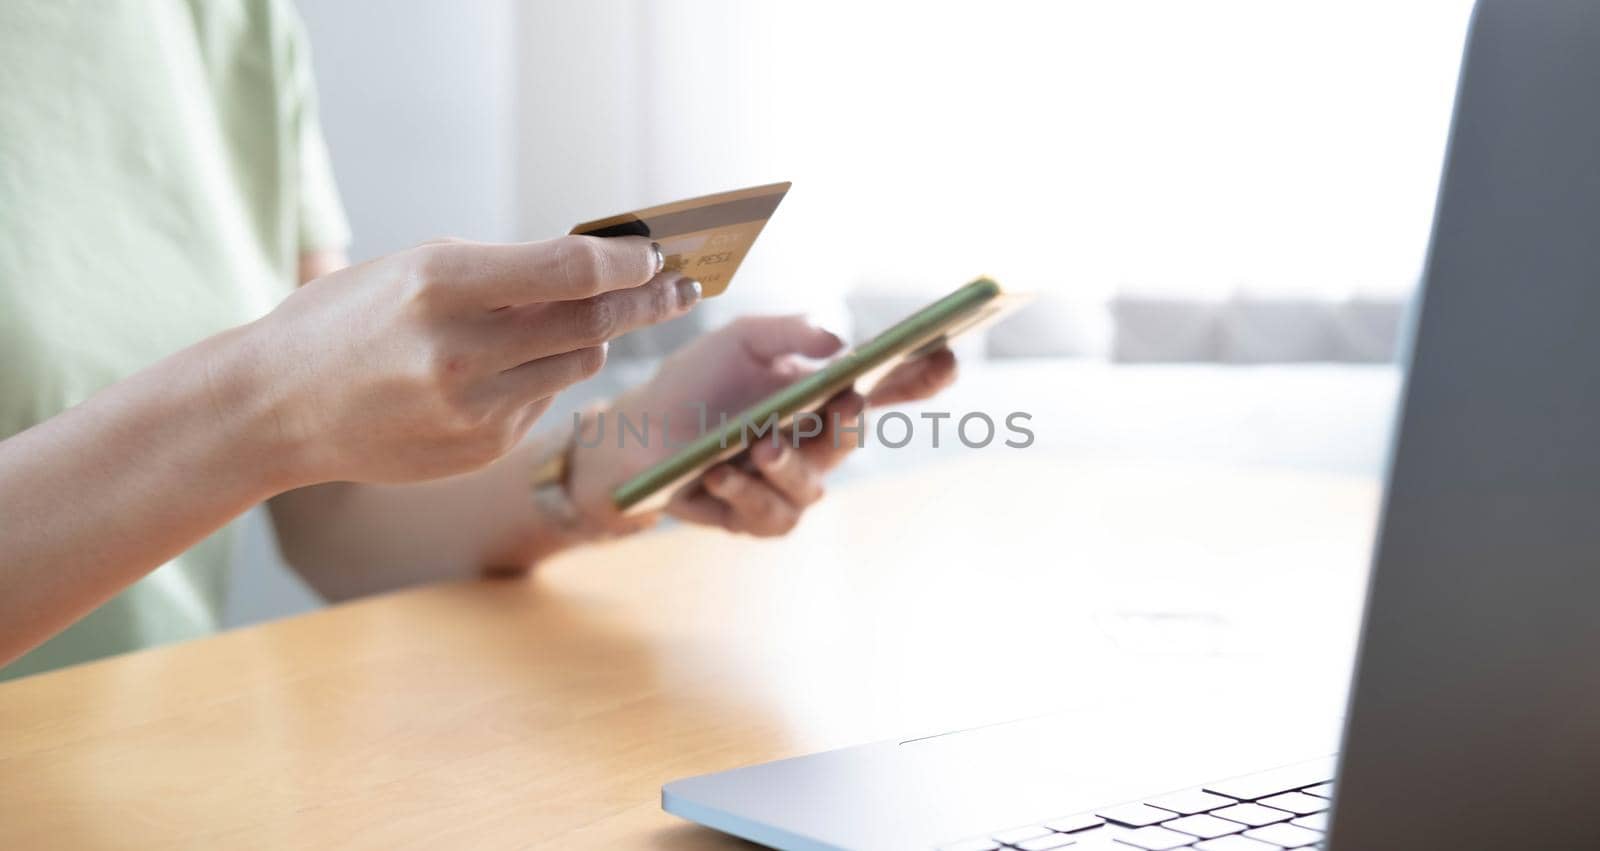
[(1279, 809)]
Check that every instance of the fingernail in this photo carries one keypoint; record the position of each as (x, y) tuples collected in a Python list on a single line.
[(661, 259), (688, 292)]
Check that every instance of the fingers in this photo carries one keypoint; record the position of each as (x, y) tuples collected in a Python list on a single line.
[(500, 275), (766, 503), (770, 499), (529, 332), (916, 379), (547, 376), (754, 506), (768, 338), (698, 506), (531, 412), (827, 449), (788, 472)]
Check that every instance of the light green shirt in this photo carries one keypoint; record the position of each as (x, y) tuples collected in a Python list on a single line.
[(161, 169)]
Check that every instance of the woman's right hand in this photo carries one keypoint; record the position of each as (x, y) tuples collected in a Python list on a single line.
[(437, 360)]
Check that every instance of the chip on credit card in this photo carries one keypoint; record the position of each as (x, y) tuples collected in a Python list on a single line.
[(705, 238)]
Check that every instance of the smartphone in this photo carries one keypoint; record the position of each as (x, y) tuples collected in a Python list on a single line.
[(973, 306)]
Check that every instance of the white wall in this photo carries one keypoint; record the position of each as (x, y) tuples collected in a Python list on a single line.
[(417, 106), (417, 103)]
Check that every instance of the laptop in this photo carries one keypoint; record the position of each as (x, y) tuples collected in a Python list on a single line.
[(1474, 713)]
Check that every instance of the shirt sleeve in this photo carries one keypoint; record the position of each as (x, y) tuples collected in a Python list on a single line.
[(321, 215)]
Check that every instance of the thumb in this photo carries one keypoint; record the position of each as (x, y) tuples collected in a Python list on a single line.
[(771, 337)]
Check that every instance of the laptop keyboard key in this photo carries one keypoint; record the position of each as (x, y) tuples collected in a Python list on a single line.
[(1315, 821), (1136, 815), (1155, 839), (1285, 835), (1285, 808), (1286, 779), (1072, 824), (1234, 843), (1254, 815), (1101, 839), (1204, 826), (1190, 802), (1296, 802), (1046, 843), (1022, 834)]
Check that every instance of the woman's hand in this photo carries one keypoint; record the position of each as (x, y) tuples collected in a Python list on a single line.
[(726, 371), (437, 360)]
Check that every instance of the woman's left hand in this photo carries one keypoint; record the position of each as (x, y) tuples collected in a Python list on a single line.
[(725, 371)]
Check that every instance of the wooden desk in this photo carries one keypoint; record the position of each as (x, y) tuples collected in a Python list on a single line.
[(548, 712)]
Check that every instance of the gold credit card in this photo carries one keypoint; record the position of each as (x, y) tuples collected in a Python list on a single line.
[(705, 238)]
